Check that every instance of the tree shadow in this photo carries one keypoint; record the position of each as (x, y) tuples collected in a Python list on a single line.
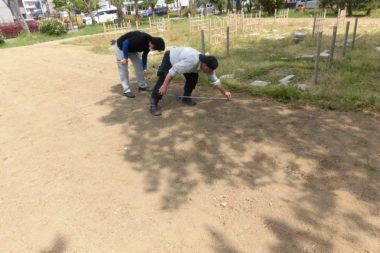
[(59, 245), (220, 242), (240, 142)]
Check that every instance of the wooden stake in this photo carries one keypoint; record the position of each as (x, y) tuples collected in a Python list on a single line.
[(203, 41), (316, 67), (354, 35), (345, 38), (331, 58), (228, 41)]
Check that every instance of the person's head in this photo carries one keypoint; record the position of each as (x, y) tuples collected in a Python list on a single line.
[(208, 63), (157, 43)]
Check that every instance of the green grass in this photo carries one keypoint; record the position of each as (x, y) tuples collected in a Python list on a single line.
[(23, 39), (352, 84)]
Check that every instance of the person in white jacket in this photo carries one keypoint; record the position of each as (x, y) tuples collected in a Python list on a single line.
[(189, 62)]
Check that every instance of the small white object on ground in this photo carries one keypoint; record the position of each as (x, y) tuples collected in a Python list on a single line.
[(223, 203), (378, 49), (259, 83), (325, 53), (307, 56), (303, 86), (228, 76), (240, 70), (286, 80)]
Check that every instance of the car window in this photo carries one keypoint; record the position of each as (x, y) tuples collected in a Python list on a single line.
[(111, 12), (99, 14)]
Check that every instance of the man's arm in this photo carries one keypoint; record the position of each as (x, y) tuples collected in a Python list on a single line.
[(145, 62), (164, 88), (125, 53), (216, 82), (223, 91)]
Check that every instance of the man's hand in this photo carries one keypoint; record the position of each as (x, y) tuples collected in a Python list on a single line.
[(145, 73), (228, 95), (163, 90), (124, 61)]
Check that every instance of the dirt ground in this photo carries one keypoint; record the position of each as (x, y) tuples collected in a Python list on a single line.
[(84, 169)]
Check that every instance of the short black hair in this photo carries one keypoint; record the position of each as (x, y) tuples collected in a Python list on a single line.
[(210, 61), (159, 43)]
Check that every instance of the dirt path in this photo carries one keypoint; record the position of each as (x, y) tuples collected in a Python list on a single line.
[(83, 169)]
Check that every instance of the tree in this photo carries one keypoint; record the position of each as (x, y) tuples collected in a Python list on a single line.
[(89, 4), (119, 6), (219, 4), (350, 4), (15, 10), (151, 4), (271, 5)]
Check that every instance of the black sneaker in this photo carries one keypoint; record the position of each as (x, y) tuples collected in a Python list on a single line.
[(129, 94), (147, 88), (188, 101), (154, 110)]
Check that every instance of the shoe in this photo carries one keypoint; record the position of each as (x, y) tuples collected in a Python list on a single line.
[(154, 107), (129, 94), (147, 88), (188, 101)]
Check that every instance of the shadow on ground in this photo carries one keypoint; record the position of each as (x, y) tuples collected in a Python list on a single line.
[(240, 142)]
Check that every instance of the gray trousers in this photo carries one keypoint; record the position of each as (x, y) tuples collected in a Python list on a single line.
[(124, 72)]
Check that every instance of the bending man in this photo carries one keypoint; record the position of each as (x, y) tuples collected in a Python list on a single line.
[(127, 47), (186, 61)]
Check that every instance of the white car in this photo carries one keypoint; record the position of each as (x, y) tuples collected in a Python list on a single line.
[(308, 4), (102, 16)]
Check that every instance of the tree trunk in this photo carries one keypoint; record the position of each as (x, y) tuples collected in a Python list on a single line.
[(120, 15), (15, 10), (89, 8), (152, 7), (349, 8), (229, 5), (238, 5), (368, 13)]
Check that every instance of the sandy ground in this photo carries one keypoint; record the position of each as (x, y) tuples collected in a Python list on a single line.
[(84, 169)]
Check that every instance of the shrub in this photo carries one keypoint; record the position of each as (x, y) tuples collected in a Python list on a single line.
[(186, 11), (53, 27), (10, 30), (2, 40), (81, 26)]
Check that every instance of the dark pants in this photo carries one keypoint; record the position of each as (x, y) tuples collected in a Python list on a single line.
[(191, 78)]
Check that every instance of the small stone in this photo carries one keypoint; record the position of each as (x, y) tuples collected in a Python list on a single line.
[(270, 204), (228, 76), (286, 80), (302, 86), (259, 83), (240, 70), (378, 49), (279, 37), (307, 56), (223, 203), (325, 53), (284, 58), (125, 148)]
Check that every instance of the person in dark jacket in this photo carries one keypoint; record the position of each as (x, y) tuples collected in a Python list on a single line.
[(129, 46)]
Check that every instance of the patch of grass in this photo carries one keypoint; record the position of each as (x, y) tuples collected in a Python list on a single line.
[(352, 83), (24, 40)]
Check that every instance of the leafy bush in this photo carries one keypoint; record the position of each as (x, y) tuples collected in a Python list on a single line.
[(2, 40), (186, 11), (81, 26), (10, 30), (53, 27), (109, 23)]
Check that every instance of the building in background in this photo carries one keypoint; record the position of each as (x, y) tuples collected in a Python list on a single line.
[(5, 13)]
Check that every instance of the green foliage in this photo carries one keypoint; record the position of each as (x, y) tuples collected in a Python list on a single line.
[(187, 11), (219, 4), (2, 40), (149, 3), (53, 27), (79, 5), (271, 5)]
